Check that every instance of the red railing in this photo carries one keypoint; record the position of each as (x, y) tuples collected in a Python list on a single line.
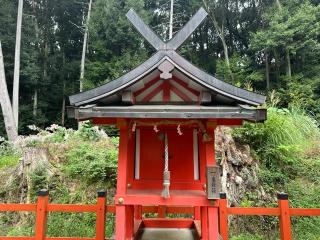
[(283, 212), (42, 208)]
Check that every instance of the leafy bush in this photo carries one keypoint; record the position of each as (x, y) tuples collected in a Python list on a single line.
[(92, 162)]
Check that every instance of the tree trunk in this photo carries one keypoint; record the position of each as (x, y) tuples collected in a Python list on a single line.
[(277, 66), (267, 70), (35, 103), (288, 69), (171, 20), (220, 31), (226, 56), (6, 104), (84, 47), (16, 75), (36, 28)]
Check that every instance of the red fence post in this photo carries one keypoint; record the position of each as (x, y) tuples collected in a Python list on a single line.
[(41, 214), (223, 216), (101, 216), (284, 217)]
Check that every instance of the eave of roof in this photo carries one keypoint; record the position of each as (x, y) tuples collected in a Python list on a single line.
[(183, 65), (169, 111)]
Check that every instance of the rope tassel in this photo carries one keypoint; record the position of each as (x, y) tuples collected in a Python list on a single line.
[(166, 184), (166, 173)]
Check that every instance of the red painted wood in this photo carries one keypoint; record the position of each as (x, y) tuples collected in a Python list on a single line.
[(121, 222), (41, 217), (155, 184), (147, 199), (101, 218), (151, 152), (213, 224), (304, 211), (285, 222), (181, 164), (183, 96), (153, 93), (68, 238), (129, 222), (146, 86), (185, 85), (138, 212), (223, 219), (180, 210), (166, 91), (122, 180), (111, 209), (204, 223), (253, 211), (18, 207), (71, 208), (104, 121), (197, 213), (152, 156), (230, 122), (162, 211), (168, 223), (122, 162), (209, 149)]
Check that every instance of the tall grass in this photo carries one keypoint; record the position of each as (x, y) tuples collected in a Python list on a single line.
[(283, 127)]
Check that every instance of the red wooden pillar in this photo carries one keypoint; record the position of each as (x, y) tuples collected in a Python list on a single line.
[(285, 222), (197, 213), (162, 211), (123, 158), (101, 216), (223, 216), (213, 232), (138, 212), (41, 215), (213, 223), (204, 223)]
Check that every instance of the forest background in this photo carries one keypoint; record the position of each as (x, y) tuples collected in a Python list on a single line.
[(265, 46)]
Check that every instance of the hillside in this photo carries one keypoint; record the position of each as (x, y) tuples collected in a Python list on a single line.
[(257, 161)]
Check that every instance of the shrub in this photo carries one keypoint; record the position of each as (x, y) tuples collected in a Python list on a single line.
[(92, 162)]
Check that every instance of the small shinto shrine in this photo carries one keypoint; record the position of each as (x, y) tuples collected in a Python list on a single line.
[(167, 110)]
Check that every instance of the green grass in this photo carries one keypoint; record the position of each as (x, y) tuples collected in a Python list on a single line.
[(9, 161)]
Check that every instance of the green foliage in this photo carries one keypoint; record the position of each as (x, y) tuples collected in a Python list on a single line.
[(243, 75), (9, 157), (91, 162), (280, 142), (287, 145), (247, 237), (39, 179)]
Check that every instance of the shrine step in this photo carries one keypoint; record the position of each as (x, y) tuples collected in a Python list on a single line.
[(167, 234)]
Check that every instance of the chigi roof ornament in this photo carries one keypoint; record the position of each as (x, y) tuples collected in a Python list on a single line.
[(177, 40)]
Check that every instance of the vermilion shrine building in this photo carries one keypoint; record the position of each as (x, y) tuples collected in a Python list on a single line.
[(167, 110)]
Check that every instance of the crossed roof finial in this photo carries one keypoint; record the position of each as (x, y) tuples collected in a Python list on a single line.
[(177, 39)]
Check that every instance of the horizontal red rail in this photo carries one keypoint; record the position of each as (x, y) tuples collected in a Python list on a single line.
[(304, 212), (46, 238), (18, 207), (253, 211), (283, 211), (71, 208)]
